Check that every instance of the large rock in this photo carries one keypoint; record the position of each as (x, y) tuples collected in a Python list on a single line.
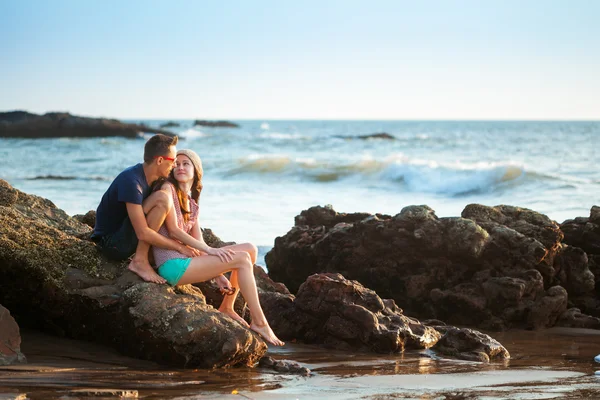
[(54, 281), (495, 267), (10, 339), (22, 124), (339, 313)]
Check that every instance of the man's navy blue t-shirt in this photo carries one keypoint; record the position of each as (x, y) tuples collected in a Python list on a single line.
[(129, 186)]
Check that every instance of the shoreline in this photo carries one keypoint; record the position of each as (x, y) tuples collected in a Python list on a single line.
[(556, 362)]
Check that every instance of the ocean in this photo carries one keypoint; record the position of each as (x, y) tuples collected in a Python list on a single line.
[(259, 176)]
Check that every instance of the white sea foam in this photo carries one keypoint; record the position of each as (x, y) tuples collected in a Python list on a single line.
[(192, 133), (418, 175), (452, 179), (281, 136)]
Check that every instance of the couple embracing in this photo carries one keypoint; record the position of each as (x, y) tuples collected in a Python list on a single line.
[(154, 206)]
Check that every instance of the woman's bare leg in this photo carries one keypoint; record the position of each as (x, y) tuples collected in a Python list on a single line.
[(227, 306), (207, 267), (228, 301)]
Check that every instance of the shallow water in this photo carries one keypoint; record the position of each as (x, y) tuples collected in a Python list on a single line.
[(555, 363)]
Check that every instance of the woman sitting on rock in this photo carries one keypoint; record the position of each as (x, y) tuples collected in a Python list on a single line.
[(182, 188)]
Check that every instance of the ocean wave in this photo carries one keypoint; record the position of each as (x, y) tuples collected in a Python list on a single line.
[(191, 133), (453, 178), (282, 136), (415, 175)]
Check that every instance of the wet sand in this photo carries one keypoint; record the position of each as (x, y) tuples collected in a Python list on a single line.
[(555, 363)]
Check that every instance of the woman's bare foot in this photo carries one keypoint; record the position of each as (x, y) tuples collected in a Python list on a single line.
[(267, 333), (231, 312), (145, 271)]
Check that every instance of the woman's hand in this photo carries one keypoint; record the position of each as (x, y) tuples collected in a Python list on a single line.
[(189, 251), (224, 285), (226, 255)]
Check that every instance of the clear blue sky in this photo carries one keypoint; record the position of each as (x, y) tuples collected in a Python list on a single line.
[(480, 59)]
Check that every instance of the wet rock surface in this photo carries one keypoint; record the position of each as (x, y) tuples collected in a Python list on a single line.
[(467, 344), (53, 281), (10, 339), (494, 268), (23, 124), (283, 366)]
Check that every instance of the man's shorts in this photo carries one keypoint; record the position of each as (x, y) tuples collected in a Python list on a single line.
[(121, 244)]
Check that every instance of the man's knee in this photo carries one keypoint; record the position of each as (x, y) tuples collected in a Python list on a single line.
[(159, 201)]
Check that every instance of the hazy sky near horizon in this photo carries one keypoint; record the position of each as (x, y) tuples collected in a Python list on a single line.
[(324, 59)]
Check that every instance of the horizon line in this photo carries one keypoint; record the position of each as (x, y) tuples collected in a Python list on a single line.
[(429, 119)]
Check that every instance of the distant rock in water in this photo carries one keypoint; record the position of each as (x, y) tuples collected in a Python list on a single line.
[(65, 178), (381, 135), (170, 124), (216, 124), (21, 124)]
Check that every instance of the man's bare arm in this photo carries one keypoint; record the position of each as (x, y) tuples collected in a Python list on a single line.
[(146, 234)]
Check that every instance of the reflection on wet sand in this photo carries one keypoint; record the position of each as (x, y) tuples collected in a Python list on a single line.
[(555, 363)]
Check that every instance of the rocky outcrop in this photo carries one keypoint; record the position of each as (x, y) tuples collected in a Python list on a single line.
[(584, 233), (215, 124), (494, 267), (53, 280), (333, 311), (10, 339), (21, 124)]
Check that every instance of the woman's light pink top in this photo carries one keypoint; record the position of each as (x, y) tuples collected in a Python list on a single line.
[(163, 255)]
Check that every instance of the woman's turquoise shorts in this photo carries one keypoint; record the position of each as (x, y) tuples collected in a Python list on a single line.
[(173, 269)]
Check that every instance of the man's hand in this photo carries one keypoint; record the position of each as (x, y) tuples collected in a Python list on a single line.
[(190, 251)]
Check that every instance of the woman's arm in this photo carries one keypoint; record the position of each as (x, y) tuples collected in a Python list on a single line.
[(194, 240), (175, 232), (224, 254)]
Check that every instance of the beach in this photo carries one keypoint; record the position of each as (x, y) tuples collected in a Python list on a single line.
[(550, 364), (259, 177)]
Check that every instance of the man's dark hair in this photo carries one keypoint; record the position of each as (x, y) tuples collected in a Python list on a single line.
[(158, 145)]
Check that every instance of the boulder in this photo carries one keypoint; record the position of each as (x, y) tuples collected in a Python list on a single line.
[(10, 339), (584, 232), (574, 318), (21, 124), (335, 312), (53, 280), (494, 267), (467, 344)]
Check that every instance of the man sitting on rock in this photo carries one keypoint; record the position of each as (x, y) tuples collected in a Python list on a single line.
[(129, 215)]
